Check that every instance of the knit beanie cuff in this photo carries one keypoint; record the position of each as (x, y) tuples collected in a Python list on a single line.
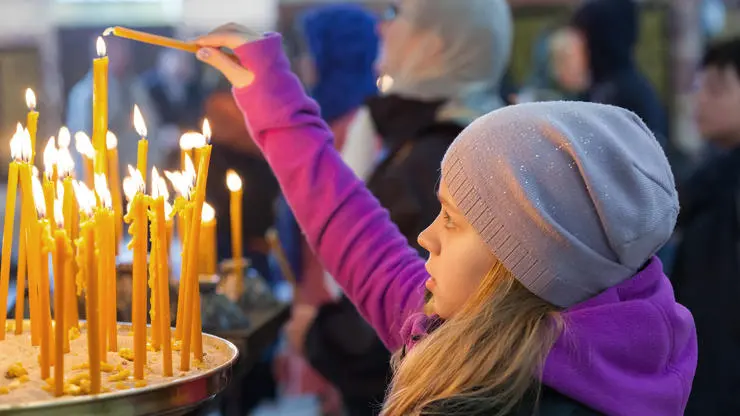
[(505, 243)]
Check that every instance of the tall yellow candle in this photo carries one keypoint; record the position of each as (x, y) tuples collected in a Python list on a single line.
[(111, 297), (208, 240), (234, 183), (70, 217), (100, 106), (105, 239), (114, 177), (133, 187), (141, 154), (186, 214), (32, 120), (87, 237), (20, 288), (45, 246), (32, 239), (192, 297), (85, 148), (50, 166), (159, 241), (63, 251), (8, 233)]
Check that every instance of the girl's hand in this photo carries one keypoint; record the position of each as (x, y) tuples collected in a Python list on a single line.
[(229, 36)]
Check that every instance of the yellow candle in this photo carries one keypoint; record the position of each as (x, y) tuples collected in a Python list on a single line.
[(208, 240), (50, 160), (141, 154), (32, 120), (105, 238), (100, 106), (154, 307), (234, 183), (192, 297), (44, 247), (69, 206), (32, 238), (133, 187), (8, 243), (62, 252), (185, 215), (159, 245), (111, 273), (20, 288), (115, 185), (87, 232)]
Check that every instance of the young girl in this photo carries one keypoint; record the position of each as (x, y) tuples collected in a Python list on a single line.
[(546, 296)]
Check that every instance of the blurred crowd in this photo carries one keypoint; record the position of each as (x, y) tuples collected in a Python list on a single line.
[(396, 88)]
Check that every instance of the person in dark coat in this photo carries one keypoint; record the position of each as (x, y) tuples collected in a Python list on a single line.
[(705, 275), (609, 31)]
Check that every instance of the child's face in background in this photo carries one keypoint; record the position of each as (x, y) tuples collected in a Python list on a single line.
[(717, 105), (458, 258)]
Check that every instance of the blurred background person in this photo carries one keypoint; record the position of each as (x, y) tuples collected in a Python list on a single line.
[(124, 90), (705, 275), (177, 94), (339, 50), (600, 61)]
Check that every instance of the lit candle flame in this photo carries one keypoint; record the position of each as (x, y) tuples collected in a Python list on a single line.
[(133, 183), (101, 188), (85, 197), (30, 99), (22, 144), (38, 196), (191, 139), (15, 147), (50, 156), (179, 183), (207, 131), (64, 137), (233, 181), (189, 172), (159, 186), (84, 145), (111, 141), (34, 171), (208, 213), (100, 47), (139, 123), (65, 163), (59, 213)]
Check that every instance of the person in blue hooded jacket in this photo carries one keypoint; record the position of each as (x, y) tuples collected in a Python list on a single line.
[(607, 33)]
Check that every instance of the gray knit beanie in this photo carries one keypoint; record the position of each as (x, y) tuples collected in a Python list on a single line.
[(573, 198)]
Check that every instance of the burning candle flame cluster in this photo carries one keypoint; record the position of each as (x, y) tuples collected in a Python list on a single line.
[(78, 224)]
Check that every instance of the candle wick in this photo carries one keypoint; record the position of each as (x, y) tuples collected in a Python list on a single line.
[(109, 31)]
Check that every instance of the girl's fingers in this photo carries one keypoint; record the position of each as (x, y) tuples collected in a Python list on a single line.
[(235, 73)]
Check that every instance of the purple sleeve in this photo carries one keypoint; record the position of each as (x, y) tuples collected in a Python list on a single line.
[(344, 224)]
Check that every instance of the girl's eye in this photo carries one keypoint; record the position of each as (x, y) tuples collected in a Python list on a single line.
[(448, 219)]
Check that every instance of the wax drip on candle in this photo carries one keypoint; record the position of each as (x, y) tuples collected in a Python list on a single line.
[(84, 145), (132, 184)]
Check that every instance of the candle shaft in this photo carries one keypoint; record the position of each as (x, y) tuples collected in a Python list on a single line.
[(61, 250), (93, 308), (32, 250), (69, 207), (89, 172), (141, 157), (100, 112), (154, 39), (236, 239), (163, 287), (184, 217), (192, 290), (32, 124), (44, 301), (8, 244), (20, 288), (101, 238), (111, 273), (115, 189), (139, 241)]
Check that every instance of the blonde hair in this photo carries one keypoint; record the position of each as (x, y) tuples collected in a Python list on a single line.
[(487, 357)]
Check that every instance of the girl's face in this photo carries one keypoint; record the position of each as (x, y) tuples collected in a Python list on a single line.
[(458, 258)]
